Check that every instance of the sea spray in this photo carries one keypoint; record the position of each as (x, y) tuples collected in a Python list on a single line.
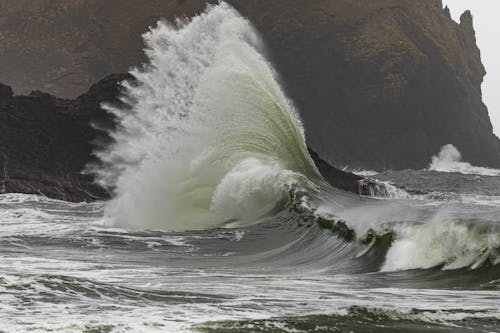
[(449, 159), (204, 114)]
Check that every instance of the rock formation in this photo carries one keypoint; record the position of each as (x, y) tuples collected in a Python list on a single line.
[(46, 143), (380, 84)]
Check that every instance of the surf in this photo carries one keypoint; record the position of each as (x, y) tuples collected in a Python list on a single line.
[(205, 134), (449, 159), (207, 138)]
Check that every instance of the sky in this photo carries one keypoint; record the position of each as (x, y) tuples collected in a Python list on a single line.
[(486, 15)]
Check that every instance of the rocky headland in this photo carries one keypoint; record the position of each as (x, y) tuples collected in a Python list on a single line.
[(380, 84)]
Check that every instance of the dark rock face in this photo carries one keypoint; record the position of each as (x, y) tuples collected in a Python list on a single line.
[(45, 142), (340, 179), (381, 84)]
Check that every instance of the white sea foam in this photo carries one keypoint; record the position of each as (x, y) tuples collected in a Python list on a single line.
[(251, 190), (449, 159), (441, 242)]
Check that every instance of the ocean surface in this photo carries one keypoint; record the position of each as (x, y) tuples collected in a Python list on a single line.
[(63, 270), (221, 222)]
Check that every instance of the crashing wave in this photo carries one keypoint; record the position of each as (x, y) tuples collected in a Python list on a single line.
[(442, 243), (400, 235), (207, 135), (206, 138), (406, 246), (449, 159)]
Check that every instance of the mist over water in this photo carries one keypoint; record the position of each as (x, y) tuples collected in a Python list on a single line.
[(220, 221)]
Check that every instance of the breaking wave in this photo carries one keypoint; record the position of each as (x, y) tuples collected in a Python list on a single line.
[(449, 159), (443, 243), (206, 135), (397, 236), (206, 138)]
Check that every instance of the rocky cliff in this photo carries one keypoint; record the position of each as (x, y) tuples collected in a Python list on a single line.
[(381, 84)]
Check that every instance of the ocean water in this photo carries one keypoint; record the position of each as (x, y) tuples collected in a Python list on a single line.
[(220, 221), (64, 270)]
